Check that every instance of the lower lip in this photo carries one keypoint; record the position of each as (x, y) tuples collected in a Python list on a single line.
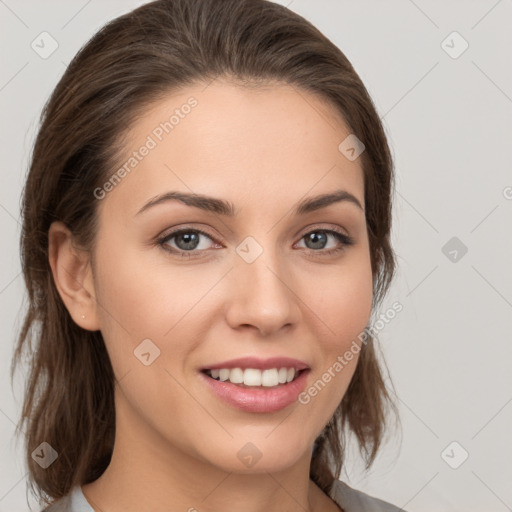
[(258, 399)]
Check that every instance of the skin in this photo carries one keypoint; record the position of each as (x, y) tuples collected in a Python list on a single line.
[(263, 149)]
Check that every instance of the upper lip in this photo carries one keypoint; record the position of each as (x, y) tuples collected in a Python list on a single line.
[(261, 364)]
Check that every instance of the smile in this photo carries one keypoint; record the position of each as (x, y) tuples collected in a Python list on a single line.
[(258, 397), (254, 377)]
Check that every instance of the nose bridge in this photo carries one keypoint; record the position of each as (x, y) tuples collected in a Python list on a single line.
[(263, 296)]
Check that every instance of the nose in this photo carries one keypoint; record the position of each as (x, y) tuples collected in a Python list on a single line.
[(262, 296)]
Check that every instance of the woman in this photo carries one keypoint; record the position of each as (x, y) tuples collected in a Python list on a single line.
[(206, 234)]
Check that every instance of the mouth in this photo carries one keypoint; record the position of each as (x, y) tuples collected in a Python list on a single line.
[(255, 390), (254, 377)]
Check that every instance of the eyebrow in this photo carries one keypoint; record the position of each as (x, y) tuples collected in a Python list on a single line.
[(226, 208)]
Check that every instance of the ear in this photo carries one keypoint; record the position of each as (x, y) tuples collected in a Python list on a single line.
[(72, 274)]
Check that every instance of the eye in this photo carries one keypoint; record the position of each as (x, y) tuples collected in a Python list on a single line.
[(185, 241), (317, 240)]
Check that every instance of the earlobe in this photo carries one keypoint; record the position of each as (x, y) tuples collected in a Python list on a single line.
[(72, 274)]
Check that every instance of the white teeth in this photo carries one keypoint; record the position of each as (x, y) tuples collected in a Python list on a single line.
[(251, 377), (269, 377), (282, 374), (255, 377), (236, 375)]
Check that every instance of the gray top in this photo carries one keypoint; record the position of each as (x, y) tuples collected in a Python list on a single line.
[(350, 500)]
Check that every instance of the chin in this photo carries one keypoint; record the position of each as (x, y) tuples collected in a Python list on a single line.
[(261, 455)]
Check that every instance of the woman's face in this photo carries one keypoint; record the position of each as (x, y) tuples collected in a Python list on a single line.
[(265, 282)]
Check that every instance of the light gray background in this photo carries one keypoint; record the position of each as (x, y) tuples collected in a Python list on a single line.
[(449, 124)]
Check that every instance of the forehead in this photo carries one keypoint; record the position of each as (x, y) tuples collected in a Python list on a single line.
[(226, 140)]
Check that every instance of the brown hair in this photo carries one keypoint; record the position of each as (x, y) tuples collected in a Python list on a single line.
[(131, 62)]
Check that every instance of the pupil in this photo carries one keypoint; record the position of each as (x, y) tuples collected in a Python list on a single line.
[(191, 240), (314, 237)]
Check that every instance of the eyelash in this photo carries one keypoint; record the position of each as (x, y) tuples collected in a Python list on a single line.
[(344, 239)]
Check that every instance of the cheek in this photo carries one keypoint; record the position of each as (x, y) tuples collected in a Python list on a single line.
[(144, 296), (341, 307), (351, 304), (343, 300)]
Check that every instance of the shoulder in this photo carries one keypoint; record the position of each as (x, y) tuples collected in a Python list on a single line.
[(352, 500), (73, 502), (61, 505)]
